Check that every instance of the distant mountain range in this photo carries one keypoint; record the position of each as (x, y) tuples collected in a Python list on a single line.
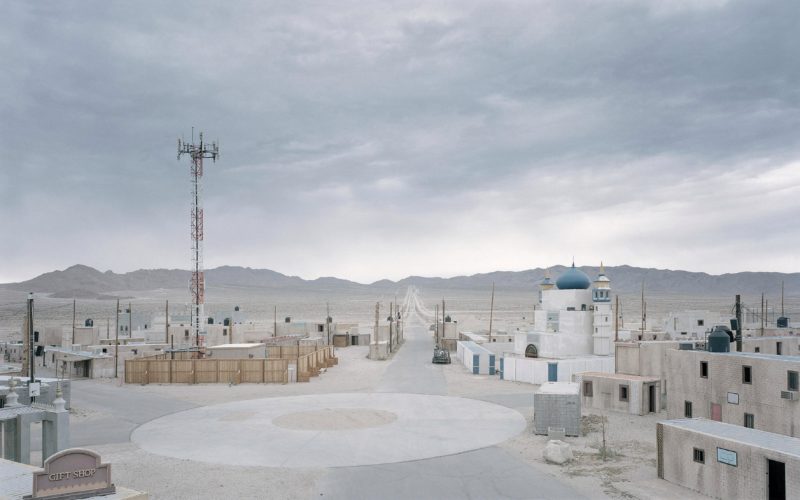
[(86, 282)]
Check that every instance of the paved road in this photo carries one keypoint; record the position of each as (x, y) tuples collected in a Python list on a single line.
[(486, 473), (411, 369)]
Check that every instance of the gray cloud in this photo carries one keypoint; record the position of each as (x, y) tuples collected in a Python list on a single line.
[(385, 139)]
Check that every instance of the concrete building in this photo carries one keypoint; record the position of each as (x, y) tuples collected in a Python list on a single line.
[(237, 351), (476, 358), (760, 391), (632, 394), (728, 461), (557, 409), (692, 324), (572, 331)]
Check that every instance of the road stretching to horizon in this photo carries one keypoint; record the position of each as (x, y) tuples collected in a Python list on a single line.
[(486, 472)]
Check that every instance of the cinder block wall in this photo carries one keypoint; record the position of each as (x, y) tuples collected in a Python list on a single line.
[(557, 410)]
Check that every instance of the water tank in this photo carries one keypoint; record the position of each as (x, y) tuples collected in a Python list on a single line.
[(288, 319), (236, 308), (226, 322), (447, 319), (210, 320), (718, 341), (90, 322), (783, 322)]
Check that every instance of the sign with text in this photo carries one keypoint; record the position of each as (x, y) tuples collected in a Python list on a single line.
[(70, 473), (726, 456)]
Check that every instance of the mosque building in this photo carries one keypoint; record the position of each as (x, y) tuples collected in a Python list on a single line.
[(573, 330)]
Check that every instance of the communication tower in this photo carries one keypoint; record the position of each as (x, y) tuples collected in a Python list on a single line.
[(197, 152)]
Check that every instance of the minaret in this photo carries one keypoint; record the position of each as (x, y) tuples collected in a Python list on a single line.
[(603, 326), (545, 284)]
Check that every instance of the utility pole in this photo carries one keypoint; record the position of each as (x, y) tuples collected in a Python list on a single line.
[(328, 320), (616, 319), (782, 313), (762, 314), (130, 321), (108, 328), (491, 314), (644, 310), (738, 323), (197, 152), (436, 325), (391, 323), (166, 323), (116, 345), (444, 332), (377, 323), (31, 359), (74, 302), (275, 331)]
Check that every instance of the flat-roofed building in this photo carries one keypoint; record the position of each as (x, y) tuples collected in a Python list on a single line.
[(728, 461), (632, 394), (760, 391)]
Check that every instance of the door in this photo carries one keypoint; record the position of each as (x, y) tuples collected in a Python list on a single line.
[(552, 372), (776, 480), (652, 392), (355, 339), (716, 412)]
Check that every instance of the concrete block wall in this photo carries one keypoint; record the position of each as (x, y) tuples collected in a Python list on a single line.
[(761, 398), (557, 410), (748, 479)]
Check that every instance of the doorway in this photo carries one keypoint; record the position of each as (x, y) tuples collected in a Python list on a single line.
[(354, 340), (716, 412), (776, 480), (652, 393)]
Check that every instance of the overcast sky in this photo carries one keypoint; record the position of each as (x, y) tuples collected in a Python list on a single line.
[(368, 140)]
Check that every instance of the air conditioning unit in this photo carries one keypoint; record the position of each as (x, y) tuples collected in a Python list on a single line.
[(790, 395)]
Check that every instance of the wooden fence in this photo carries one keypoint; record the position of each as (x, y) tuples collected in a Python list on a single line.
[(161, 369)]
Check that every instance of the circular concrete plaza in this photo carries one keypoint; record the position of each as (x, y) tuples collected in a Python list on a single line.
[(330, 430)]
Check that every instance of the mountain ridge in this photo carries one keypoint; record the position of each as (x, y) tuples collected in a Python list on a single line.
[(84, 281)]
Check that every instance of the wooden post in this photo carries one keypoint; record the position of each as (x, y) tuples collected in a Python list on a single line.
[(377, 323), (166, 324), (491, 314), (130, 321), (74, 302), (116, 345)]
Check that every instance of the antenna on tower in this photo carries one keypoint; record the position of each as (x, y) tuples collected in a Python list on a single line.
[(197, 152)]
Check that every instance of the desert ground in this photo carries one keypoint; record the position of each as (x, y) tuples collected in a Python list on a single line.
[(191, 441)]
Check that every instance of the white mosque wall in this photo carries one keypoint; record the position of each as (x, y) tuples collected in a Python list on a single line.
[(560, 300), (535, 370)]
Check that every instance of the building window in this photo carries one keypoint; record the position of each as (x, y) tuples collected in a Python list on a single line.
[(623, 393), (791, 381), (749, 420), (704, 369), (758, 349), (778, 348), (699, 456), (701, 322), (747, 375), (687, 409), (587, 389)]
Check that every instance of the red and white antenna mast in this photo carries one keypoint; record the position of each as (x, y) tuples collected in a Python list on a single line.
[(197, 152)]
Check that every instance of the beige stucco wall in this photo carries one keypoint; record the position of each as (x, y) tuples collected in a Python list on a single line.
[(718, 480), (761, 398)]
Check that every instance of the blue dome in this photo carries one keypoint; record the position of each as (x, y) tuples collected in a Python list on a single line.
[(573, 279)]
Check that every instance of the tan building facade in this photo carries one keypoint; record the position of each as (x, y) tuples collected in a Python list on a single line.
[(760, 391)]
